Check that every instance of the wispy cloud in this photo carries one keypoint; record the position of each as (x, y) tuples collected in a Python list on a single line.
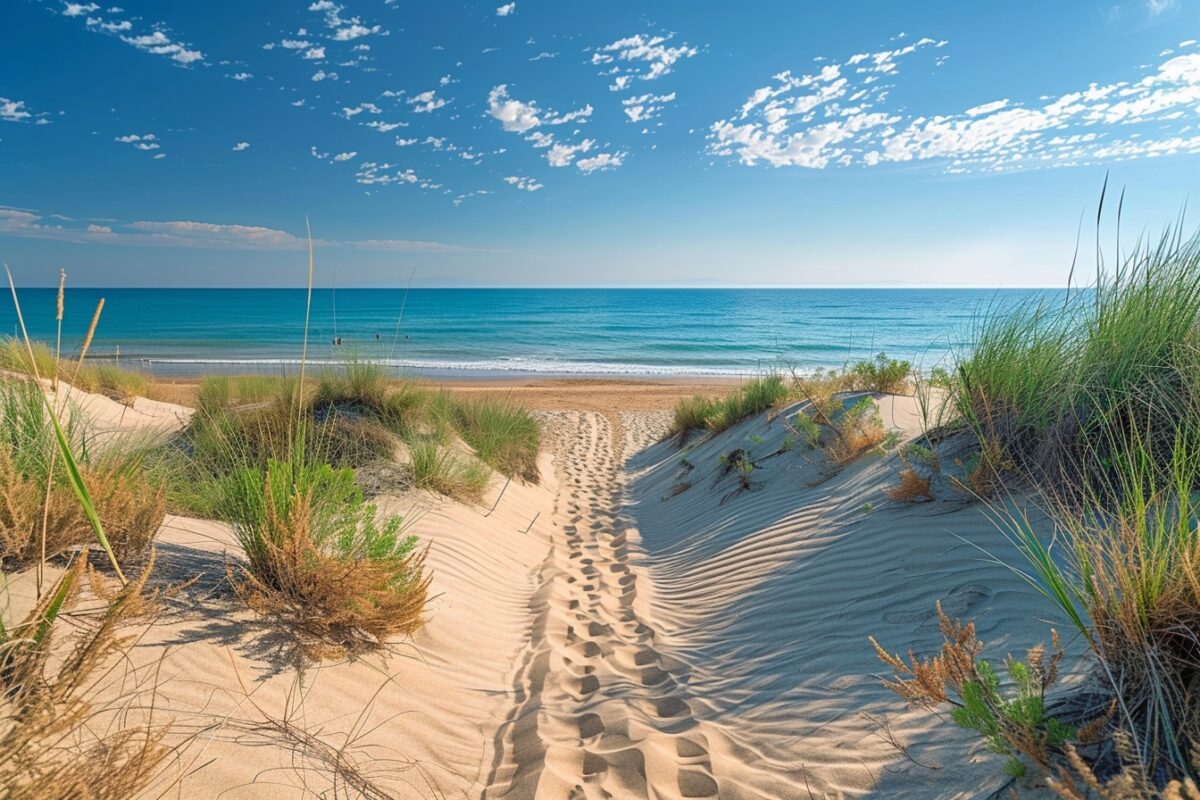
[(525, 117), (646, 106), (240, 146), (841, 115), (343, 29), (25, 223), (147, 142), (522, 183), (17, 111), (642, 57), (426, 102), (158, 41)]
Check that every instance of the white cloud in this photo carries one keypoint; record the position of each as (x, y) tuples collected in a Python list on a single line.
[(79, 9), (242, 76), (369, 108), (385, 127), (514, 115), (646, 106), (518, 116), (322, 75), (240, 146), (345, 29), (345, 156), (647, 58), (157, 42), (841, 116), (314, 54), (425, 102), (600, 161), (524, 184), (561, 155), (506, 9), (1157, 7), (145, 142), (14, 110), (160, 44), (371, 173)]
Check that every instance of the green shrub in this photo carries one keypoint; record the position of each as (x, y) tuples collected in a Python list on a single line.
[(317, 557), (881, 374)]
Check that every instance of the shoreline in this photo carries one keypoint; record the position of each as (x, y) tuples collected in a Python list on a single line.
[(576, 393)]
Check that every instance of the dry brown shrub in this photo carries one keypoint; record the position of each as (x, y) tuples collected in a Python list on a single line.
[(131, 510), (1080, 782), (858, 431), (24, 509), (335, 605), (50, 718), (912, 487)]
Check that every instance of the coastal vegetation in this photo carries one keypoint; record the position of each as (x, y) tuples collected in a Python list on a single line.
[(1091, 405), (275, 458)]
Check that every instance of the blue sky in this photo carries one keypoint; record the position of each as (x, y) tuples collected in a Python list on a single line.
[(549, 142)]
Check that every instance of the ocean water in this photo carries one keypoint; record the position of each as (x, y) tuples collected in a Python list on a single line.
[(518, 332)]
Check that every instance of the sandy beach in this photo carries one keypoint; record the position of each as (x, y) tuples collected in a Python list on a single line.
[(603, 634)]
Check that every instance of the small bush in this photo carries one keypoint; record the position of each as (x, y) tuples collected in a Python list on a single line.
[(859, 429), (442, 470), (1015, 726), (881, 374), (317, 558), (912, 487)]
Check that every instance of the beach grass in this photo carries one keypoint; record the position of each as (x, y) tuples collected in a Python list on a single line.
[(1090, 404), (503, 435), (441, 469), (109, 379), (720, 414)]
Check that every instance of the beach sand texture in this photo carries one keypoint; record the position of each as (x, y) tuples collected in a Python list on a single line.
[(605, 634)]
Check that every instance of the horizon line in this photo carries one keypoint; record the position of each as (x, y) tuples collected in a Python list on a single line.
[(589, 287)]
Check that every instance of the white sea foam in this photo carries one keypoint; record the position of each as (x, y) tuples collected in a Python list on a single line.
[(505, 365)]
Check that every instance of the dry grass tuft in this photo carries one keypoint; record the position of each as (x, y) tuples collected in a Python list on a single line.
[(1080, 782), (49, 745), (912, 487), (131, 508)]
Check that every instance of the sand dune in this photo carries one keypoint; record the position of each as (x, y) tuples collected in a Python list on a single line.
[(609, 634)]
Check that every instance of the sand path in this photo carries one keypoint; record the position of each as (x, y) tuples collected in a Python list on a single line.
[(599, 713)]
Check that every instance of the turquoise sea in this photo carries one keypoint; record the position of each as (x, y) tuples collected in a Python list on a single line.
[(518, 332)]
